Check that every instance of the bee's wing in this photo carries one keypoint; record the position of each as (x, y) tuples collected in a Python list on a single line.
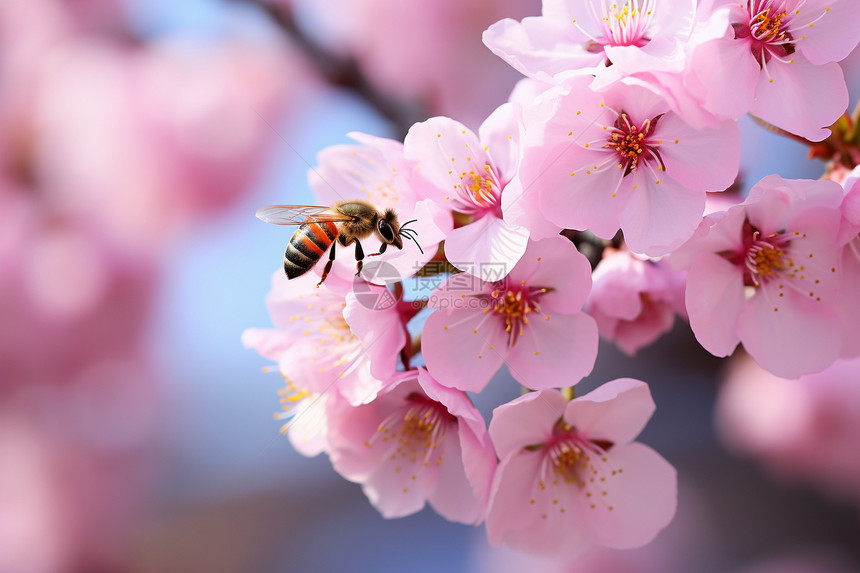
[(299, 214)]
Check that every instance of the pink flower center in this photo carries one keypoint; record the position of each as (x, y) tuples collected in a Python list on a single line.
[(514, 305), (418, 427), (625, 24), (479, 192), (569, 453), (571, 458), (291, 397), (767, 25), (779, 262), (635, 143), (765, 258)]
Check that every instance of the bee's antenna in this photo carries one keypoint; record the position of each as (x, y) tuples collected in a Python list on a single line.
[(410, 234), (406, 223)]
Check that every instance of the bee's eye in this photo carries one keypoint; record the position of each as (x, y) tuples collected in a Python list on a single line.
[(385, 230)]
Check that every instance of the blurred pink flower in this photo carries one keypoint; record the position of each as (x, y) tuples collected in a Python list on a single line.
[(622, 159), (766, 273), (148, 138), (75, 465), (69, 297), (427, 51), (417, 442), (468, 174), (773, 419), (530, 320), (634, 300), (571, 476)]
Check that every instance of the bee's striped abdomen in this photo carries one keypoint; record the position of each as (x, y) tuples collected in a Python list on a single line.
[(308, 245)]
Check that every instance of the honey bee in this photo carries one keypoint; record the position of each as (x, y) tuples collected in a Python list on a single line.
[(322, 228)]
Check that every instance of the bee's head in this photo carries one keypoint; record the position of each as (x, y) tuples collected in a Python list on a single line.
[(389, 229)]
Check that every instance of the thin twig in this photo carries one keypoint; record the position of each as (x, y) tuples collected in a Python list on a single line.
[(342, 72)]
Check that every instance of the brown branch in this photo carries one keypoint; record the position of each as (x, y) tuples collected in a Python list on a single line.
[(342, 72)]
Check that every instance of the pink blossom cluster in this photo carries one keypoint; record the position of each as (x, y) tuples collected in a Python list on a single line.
[(625, 123)]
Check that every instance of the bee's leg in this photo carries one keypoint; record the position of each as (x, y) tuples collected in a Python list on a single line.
[(359, 257), (381, 250), (328, 264)]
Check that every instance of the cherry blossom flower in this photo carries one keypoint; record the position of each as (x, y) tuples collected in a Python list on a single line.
[(570, 475), (530, 320), (469, 174), (417, 442), (315, 344), (621, 159), (771, 418), (377, 171), (777, 60), (634, 300), (606, 38), (766, 273)]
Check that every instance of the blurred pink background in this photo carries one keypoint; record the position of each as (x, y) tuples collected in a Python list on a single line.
[(137, 138)]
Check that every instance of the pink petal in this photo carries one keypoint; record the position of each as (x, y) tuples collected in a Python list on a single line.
[(479, 461), (638, 101), (487, 248), (538, 47), (718, 232), (585, 200), (835, 35), (727, 74), (715, 300), (458, 292), (775, 202), (381, 331), (525, 421), (520, 207), (619, 280), (659, 55), (800, 338), (630, 336), (467, 353), (393, 493), (350, 427), (269, 343), (699, 159), (818, 97), (433, 143), (616, 411), (500, 132), (309, 425), (850, 308), (660, 215), (512, 518), (554, 353), (452, 496), (643, 497), (479, 458), (674, 19)]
